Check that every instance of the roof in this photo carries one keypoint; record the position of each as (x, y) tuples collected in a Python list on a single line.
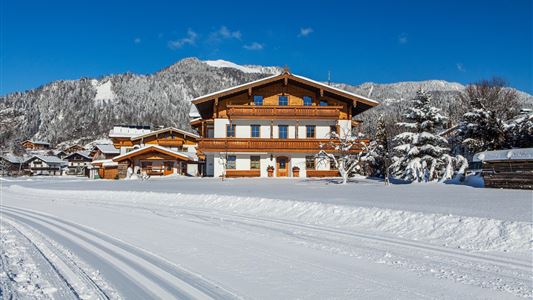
[(85, 154), (47, 159), (288, 75), (107, 149), (165, 130), (505, 155), (128, 130), (156, 148), (14, 159), (104, 163)]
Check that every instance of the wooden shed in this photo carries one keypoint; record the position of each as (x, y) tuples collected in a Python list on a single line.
[(507, 168)]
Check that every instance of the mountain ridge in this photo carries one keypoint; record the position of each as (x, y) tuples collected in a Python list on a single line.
[(84, 109)]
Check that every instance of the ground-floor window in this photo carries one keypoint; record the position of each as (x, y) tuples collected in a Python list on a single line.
[(231, 163), (255, 162), (310, 162)]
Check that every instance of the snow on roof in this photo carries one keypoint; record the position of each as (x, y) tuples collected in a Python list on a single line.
[(511, 154), (14, 159), (281, 76), (165, 130), (128, 131), (335, 88), (48, 159), (235, 87), (107, 149), (85, 154), (182, 154)]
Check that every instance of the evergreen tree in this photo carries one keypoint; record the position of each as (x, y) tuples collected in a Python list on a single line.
[(421, 154), (480, 129), (520, 131)]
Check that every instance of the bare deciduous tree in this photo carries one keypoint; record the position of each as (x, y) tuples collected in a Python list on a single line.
[(346, 151)]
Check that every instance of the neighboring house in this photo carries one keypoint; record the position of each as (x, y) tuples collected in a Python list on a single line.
[(60, 153), (35, 145), (506, 168), (74, 148), (273, 126), (104, 151), (45, 165), (175, 152), (12, 165), (153, 160), (78, 163)]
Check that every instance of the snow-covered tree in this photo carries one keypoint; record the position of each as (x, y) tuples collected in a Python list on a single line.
[(378, 156), (480, 129), (346, 151), (520, 130), (421, 154)]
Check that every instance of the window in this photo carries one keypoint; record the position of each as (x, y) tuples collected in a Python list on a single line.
[(254, 162), (230, 164), (256, 131), (333, 129), (310, 131), (230, 130), (283, 100), (283, 131), (323, 103), (309, 162), (308, 101), (258, 100)]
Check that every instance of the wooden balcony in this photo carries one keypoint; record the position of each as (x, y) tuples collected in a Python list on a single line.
[(283, 112), (261, 145)]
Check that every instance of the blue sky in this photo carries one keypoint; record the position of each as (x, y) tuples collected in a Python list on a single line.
[(378, 41)]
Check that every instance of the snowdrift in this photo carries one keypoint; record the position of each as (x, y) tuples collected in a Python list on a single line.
[(470, 233)]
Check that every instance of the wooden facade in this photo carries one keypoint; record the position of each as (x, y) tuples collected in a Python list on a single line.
[(35, 145), (275, 123)]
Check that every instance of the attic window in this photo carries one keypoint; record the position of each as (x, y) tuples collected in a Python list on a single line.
[(258, 100), (283, 100)]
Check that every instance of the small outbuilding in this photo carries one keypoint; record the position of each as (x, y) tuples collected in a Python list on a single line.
[(507, 168)]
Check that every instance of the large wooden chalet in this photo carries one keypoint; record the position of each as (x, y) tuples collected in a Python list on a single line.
[(273, 126)]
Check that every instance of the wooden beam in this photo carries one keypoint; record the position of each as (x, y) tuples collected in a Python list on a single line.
[(321, 92), (216, 107), (250, 91)]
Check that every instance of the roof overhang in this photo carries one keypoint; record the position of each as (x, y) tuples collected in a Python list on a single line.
[(148, 149), (359, 103), (168, 129)]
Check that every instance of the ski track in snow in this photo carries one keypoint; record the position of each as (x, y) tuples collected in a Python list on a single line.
[(146, 276), (140, 274)]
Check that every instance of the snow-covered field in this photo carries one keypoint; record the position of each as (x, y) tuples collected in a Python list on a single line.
[(197, 238)]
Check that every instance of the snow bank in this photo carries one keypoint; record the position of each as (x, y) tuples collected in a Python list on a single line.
[(472, 233)]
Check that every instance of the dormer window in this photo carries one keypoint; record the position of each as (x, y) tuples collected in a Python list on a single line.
[(308, 101), (258, 100), (283, 100), (323, 103)]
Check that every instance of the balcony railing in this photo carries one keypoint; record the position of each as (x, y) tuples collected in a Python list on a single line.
[(263, 145), (276, 111)]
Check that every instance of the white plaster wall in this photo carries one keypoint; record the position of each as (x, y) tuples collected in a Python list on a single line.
[(192, 169), (220, 127), (243, 162), (345, 126)]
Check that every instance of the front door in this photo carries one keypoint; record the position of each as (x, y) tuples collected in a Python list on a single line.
[(282, 166)]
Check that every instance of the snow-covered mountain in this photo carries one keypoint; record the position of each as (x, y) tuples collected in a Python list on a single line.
[(85, 109)]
